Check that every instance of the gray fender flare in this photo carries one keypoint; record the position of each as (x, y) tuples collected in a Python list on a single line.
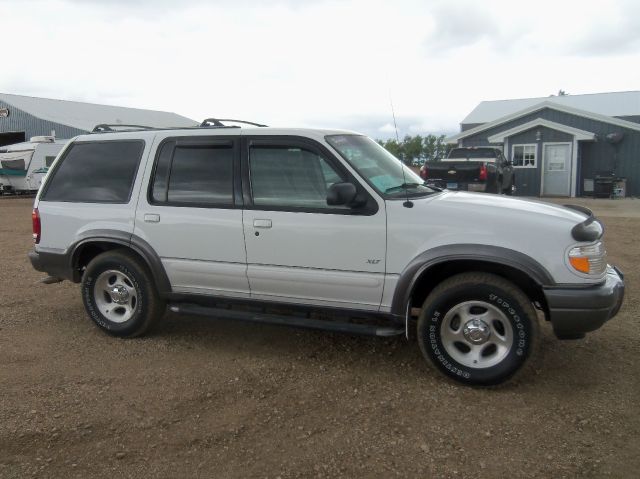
[(442, 254), (129, 240)]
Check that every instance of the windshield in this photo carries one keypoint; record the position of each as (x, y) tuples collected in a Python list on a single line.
[(382, 170)]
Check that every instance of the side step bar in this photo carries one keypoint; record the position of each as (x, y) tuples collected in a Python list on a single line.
[(295, 321)]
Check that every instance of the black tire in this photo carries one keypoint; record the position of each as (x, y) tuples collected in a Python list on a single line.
[(137, 305), (503, 317)]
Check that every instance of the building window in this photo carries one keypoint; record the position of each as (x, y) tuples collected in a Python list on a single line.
[(524, 156)]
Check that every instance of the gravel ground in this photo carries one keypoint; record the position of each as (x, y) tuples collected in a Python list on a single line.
[(208, 398)]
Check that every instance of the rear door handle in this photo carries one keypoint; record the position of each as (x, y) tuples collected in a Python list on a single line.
[(262, 223), (149, 218)]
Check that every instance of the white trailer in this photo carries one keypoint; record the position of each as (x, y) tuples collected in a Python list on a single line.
[(23, 166)]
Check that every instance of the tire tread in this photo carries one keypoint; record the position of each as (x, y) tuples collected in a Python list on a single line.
[(488, 278), (155, 305)]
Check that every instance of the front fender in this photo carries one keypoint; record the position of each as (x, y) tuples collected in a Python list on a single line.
[(442, 254)]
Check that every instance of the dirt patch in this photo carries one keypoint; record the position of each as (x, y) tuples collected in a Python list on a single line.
[(209, 398)]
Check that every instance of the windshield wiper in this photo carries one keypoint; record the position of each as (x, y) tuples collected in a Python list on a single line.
[(403, 186)]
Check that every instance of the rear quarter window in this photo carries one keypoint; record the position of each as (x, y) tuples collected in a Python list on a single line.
[(96, 172)]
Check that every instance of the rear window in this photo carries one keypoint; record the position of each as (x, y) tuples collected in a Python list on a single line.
[(466, 153), (96, 172)]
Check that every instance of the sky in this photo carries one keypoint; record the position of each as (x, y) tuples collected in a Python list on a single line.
[(332, 64)]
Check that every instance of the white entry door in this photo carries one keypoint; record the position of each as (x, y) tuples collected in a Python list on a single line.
[(556, 169)]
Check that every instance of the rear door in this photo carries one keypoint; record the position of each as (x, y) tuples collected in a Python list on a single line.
[(191, 218), (299, 249)]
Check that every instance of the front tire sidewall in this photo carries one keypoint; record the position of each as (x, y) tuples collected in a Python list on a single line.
[(430, 340), (133, 324)]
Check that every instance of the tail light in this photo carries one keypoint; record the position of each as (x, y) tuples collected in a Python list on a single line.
[(483, 172), (424, 172), (37, 229)]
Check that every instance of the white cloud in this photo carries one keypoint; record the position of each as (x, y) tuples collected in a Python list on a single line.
[(387, 128), (325, 63)]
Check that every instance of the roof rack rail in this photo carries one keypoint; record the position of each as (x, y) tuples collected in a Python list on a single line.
[(107, 127), (217, 122)]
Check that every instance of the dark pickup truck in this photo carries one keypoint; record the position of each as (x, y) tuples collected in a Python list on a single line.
[(471, 169)]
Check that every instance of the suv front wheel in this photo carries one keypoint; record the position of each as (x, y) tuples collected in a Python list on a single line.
[(478, 328), (119, 294)]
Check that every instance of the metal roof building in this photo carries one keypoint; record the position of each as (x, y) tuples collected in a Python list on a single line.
[(624, 105), (22, 117), (573, 145)]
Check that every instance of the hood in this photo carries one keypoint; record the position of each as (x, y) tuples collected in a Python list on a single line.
[(488, 203)]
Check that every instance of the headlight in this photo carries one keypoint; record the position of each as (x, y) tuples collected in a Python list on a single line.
[(591, 259)]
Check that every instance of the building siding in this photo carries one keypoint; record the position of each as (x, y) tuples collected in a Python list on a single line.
[(593, 157), (468, 126), (528, 179), (19, 120)]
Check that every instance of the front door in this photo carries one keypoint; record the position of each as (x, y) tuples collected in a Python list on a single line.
[(299, 249), (556, 170)]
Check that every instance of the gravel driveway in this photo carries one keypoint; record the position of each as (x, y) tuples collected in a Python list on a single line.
[(210, 398)]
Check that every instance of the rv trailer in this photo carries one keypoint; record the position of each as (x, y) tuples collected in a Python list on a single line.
[(23, 166)]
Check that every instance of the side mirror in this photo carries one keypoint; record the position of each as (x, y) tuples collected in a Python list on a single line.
[(340, 194)]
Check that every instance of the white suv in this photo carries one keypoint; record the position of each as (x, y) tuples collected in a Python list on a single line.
[(327, 229)]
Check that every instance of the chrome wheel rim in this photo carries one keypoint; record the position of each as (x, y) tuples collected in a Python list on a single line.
[(115, 296), (476, 334)]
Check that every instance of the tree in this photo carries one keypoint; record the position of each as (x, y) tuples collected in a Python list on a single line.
[(393, 147), (415, 150)]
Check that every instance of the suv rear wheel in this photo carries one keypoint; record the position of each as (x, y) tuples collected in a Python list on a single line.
[(478, 328), (119, 294)]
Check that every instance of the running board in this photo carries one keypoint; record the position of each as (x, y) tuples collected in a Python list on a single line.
[(295, 321)]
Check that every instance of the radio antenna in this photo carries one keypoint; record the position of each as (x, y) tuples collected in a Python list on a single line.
[(407, 203)]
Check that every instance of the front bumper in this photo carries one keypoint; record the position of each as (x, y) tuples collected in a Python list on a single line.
[(574, 312)]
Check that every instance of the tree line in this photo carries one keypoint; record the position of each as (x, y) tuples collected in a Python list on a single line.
[(415, 150)]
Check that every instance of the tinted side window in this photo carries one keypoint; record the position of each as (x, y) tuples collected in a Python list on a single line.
[(101, 172), (159, 191), (194, 175), (290, 177)]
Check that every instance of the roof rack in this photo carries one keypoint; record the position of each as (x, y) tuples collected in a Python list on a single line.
[(106, 127), (207, 123), (217, 123)]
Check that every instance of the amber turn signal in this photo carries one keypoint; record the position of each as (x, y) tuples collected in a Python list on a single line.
[(580, 263)]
